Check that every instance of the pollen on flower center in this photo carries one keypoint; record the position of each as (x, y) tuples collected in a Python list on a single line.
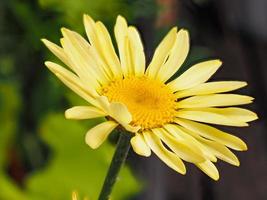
[(151, 103)]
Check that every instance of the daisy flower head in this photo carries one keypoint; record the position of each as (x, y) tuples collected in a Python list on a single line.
[(167, 117)]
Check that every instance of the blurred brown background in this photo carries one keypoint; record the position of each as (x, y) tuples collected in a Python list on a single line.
[(236, 32)]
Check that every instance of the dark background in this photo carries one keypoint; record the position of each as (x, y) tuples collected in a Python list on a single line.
[(30, 97)]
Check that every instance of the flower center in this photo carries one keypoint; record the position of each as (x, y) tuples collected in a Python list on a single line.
[(151, 103)]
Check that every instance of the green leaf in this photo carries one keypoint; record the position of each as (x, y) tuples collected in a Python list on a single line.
[(74, 166)]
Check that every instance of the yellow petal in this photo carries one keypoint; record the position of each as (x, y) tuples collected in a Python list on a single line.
[(213, 134), (212, 116), (121, 31), (101, 42), (129, 63), (161, 53), (104, 103), (98, 134), (91, 33), (116, 110), (214, 148), (73, 82), (137, 51), (140, 146), (177, 56), (58, 51), (89, 25), (209, 168), (180, 147), (130, 128), (79, 58), (90, 57), (74, 196), (214, 100), (84, 112), (211, 88), (195, 75), (120, 113), (107, 49), (222, 152), (178, 133), (86, 60), (168, 157), (236, 114)]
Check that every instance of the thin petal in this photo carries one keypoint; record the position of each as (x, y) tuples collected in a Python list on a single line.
[(215, 148), (212, 133), (78, 56), (107, 49), (84, 112), (220, 116), (161, 53), (98, 134), (130, 128), (177, 56), (120, 113), (74, 196), (214, 100), (180, 147), (104, 103), (195, 75), (91, 58), (129, 63), (116, 110), (137, 51), (121, 31), (58, 51), (73, 82), (90, 29), (101, 41), (89, 25), (179, 133), (140, 146), (209, 168), (222, 152), (238, 114), (211, 88), (168, 157)]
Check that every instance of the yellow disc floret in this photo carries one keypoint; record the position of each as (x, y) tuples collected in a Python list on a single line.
[(151, 103)]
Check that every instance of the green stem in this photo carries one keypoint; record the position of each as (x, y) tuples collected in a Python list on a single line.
[(118, 159)]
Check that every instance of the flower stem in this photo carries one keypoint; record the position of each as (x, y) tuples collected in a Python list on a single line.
[(118, 159)]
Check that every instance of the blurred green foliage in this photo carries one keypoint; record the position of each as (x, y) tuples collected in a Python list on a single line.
[(8, 114), (71, 11), (52, 157), (73, 165)]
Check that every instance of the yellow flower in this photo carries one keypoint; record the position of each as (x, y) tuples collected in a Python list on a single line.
[(76, 197), (162, 114)]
